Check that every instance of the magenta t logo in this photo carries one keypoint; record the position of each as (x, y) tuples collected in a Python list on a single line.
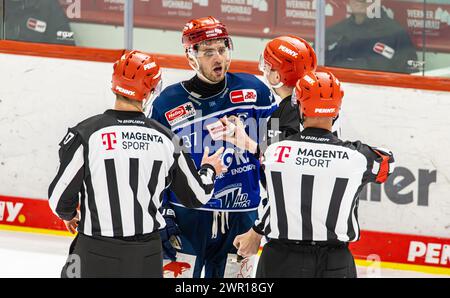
[(109, 139), (281, 153)]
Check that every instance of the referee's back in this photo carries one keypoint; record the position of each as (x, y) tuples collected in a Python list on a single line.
[(120, 162), (314, 180)]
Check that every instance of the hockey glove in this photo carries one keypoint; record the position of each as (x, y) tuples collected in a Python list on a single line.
[(169, 235)]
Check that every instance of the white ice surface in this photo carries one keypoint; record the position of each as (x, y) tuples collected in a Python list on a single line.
[(39, 255)]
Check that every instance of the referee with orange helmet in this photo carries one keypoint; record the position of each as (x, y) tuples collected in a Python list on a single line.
[(284, 61), (115, 166), (313, 181)]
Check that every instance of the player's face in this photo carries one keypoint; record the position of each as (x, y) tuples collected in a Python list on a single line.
[(214, 59)]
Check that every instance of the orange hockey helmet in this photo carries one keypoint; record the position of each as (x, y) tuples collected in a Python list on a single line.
[(318, 94), (202, 29), (291, 56), (136, 76)]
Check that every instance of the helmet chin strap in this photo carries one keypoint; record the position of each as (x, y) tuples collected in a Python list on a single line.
[(273, 87), (279, 85)]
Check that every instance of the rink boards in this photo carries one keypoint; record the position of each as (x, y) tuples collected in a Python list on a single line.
[(404, 222)]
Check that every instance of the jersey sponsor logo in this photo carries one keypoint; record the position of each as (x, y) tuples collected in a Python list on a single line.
[(323, 153), (36, 25), (245, 95), (384, 50), (180, 113), (288, 51), (9, 211), (243, 169), (131, 121), (318, 158), (139, 140), (314, 138), (125, 91), (109, 139), (324, 111), (282, 152), (232, 154)]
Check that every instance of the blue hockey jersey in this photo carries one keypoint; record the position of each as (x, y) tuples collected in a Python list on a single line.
[(191, 118)]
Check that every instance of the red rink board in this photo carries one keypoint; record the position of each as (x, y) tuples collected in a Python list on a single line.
[(380, 246), (270, 18), (30, 213)]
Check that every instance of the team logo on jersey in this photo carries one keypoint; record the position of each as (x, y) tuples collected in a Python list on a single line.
[(245, 95), (109, 139), (180, 113), (231, 197), (36, 25), (282, 152), (384, 50)]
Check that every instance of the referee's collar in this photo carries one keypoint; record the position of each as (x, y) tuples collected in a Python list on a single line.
[(315, 131), (128, 114)]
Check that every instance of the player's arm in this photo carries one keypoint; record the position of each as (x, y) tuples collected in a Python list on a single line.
[(266, 105), (64, 190), (193, 187)]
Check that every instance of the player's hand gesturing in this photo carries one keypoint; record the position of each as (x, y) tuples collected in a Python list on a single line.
[(214, 160)]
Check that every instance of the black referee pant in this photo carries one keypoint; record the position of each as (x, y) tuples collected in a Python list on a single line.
[(137, 256), (285, 258)]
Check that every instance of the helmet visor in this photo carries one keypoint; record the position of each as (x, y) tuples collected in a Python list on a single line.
[(264, 66), (157, 89), (210, 48), (294, 98)]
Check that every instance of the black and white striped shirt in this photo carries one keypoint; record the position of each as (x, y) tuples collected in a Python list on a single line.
[(116, 166), (314, 180)]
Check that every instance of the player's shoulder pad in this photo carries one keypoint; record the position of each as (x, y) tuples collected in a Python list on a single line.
[(251, 79), (265, 95), (152, 123), (170, 92)]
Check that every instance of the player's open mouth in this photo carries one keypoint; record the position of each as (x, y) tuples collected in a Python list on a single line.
[(218, 70)]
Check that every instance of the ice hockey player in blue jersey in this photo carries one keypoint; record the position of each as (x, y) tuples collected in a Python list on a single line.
[(192, 110)]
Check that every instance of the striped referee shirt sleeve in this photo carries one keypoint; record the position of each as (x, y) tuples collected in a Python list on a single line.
[(193, 188), (64, 191), (263, 220)]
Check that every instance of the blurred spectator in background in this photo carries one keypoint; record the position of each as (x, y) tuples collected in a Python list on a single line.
[(37, 21), (373, 43)]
